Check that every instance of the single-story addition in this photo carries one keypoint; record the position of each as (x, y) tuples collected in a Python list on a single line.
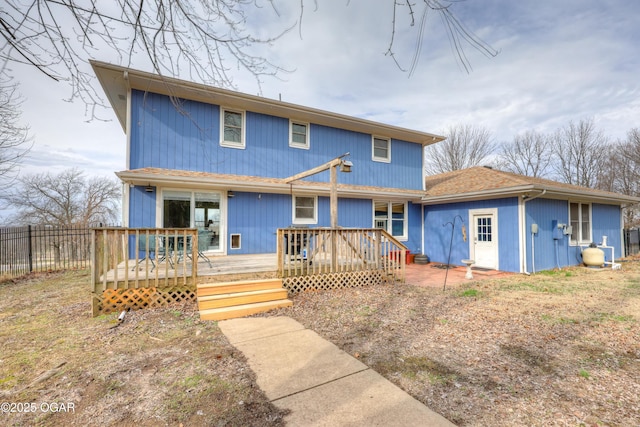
[(518, 223)]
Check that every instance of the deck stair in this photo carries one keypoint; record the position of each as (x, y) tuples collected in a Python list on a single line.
[(227, 300)]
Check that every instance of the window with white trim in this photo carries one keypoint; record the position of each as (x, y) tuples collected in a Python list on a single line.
[(381, 149), (298, 134), (232, 128), (305, 210), (391, 217), (580, 220)]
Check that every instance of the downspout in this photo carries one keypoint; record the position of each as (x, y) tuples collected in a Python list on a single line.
[(124, 208), (526, 199), (422, 234), (126, 188), (623, 249)]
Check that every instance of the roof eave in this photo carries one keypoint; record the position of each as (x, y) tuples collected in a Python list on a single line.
[(609, 198), (551, 193), (311, 188), (499, 193), (116, 81)]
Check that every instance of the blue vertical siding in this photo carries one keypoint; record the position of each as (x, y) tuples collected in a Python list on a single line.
[(164, 137), (543, 212), (414, 241), (256, 217), (142, 207), (354, 213), (142, 213), (606, 222), (438, 236), (438, 232), (188, 138)]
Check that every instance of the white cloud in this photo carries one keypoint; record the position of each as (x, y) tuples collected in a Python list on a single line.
[(558, 61)]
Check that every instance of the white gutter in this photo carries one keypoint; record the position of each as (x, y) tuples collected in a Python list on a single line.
[(477, 195), (552, 193)]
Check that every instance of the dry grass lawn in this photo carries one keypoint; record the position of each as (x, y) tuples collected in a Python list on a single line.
[(559, 348), (159, 367)]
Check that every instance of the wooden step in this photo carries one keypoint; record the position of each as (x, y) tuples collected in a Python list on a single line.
[(242, 310), (241, 298), (205, 289)]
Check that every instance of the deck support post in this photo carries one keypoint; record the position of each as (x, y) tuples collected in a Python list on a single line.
[(333, 202)]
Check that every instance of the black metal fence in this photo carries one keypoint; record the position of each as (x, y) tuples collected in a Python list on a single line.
[(631, 241), (31, 248)]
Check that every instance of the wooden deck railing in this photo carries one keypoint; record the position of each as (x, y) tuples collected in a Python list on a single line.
[(310, 251), (131, 258)]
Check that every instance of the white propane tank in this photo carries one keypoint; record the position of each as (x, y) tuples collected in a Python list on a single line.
[(593, 257)]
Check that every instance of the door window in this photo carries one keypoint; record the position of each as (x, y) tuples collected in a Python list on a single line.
[(483, 231)]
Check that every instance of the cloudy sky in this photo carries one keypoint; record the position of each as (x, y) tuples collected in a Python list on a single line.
[(559, 61)]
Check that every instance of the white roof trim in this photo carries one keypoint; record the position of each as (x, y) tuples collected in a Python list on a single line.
[(116, 79)]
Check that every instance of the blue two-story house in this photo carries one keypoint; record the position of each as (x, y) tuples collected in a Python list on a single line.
[(204, 157)]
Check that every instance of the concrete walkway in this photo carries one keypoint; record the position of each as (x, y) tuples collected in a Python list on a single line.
[(319, 383)]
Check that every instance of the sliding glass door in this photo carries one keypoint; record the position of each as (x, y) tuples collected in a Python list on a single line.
[(187, 209), (207, 216)]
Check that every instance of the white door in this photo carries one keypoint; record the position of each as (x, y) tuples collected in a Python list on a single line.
[(484, 239)]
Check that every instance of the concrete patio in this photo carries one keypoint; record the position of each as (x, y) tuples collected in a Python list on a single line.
[(433, 275)]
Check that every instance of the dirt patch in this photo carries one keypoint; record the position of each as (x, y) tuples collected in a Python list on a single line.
[(60, 366), (557, 348)]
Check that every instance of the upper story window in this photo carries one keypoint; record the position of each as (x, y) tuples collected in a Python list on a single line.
[(298, 134), (381, 149), (305, 210), (580, 220), (232, 129)]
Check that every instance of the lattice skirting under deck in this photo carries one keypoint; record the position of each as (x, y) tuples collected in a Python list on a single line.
[(122, 299), (330, 281)]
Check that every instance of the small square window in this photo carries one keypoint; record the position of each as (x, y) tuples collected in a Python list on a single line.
[(298, 135), (232, 129), (381, 149), (305, 210)]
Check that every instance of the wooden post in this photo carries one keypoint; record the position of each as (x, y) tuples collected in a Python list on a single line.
[(333, 196), (333, 206)]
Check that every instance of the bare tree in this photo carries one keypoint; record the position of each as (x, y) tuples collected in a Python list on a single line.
[(65, 199), (529, 154), (465, 146), (457, 32), (578, 149), (621, 173), (206, 41), (628, 152), (15, 142)]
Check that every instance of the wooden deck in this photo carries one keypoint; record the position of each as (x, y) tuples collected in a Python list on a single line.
[(236, 264), (220, 265), (125, 272)]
